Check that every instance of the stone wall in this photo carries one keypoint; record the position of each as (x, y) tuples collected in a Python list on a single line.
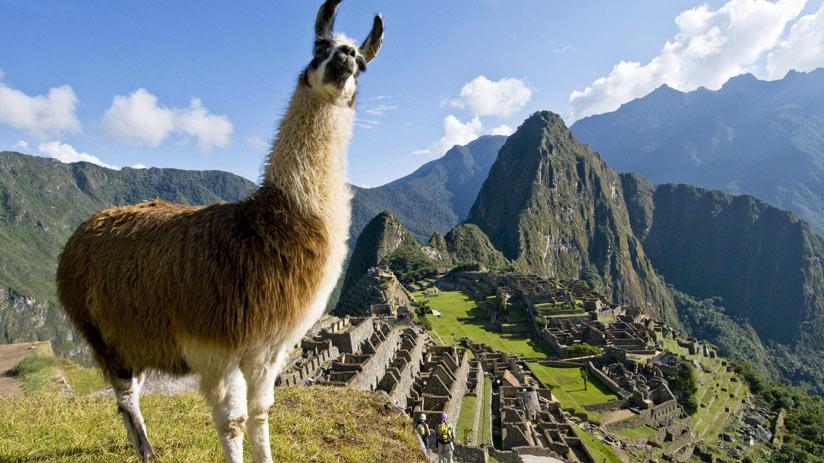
[(465, 454), (370, 367), (350, 340), (608, 382), (401, 373), (307, 366)]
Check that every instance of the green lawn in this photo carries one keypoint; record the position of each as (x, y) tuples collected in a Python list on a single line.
[(638, 432), (455, 305), (568, 387), (485, 433), (600, 451), (466, 421)]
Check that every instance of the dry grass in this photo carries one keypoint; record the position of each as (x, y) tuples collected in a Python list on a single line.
[(308, 424)]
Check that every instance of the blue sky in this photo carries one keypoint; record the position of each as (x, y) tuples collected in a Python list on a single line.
[(216, 76)]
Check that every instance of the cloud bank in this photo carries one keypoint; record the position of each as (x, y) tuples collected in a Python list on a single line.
[(138, 119), (501, 98), (482, 98), (66, 153), (710, 47), (39, 115)]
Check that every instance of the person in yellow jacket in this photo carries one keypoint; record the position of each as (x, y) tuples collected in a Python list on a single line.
[(445, 439)]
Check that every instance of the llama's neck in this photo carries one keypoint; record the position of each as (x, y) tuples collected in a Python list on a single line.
[(308, 158)]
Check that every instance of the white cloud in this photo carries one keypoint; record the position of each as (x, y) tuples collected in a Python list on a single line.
[(379, 110), (493, 98), (803, 50), (366, 123), (502, 130), (22, 145), (455, 133), (66, 153), (39, 115), (257, 144), (711, 46), (138, 119), (138, 166), (209, 130), (564, 49)]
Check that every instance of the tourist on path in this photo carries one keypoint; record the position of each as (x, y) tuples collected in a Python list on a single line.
[(445, 440), (423, 432)]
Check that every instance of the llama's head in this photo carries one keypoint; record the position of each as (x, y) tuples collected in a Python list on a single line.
[(337, 60)]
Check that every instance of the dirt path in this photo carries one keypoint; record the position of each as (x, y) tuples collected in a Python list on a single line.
[(11, 355)]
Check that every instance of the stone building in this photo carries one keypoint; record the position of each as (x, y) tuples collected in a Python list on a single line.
[(442, 383)]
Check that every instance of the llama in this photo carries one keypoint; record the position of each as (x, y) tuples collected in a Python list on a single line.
[(226, 290)]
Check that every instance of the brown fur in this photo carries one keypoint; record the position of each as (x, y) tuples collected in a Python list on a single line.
[(138, 279)]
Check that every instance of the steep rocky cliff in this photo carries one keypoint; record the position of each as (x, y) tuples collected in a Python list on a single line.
[(553, 206)]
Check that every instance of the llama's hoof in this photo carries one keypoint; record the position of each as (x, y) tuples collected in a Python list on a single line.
[(147, 453)]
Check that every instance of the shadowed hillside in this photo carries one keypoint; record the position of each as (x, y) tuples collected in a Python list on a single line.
[(42, 201), (763, 138)]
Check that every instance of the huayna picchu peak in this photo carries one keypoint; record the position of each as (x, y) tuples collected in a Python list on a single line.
[(554, 207)]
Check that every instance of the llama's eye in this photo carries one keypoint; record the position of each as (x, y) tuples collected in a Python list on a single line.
[(322, 47), (361, 63)]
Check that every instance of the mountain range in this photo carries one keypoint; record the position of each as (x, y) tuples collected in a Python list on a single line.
[(732, 269), (42, 201), (762, 138), (435, 197)]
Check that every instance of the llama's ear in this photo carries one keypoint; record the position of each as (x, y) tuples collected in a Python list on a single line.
[(326, 19), (372, 44)]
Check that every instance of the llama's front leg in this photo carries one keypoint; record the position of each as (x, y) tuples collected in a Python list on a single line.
[(226, 394), (260, 373)]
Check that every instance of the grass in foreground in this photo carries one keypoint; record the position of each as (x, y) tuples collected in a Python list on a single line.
[(307, 424), (461, 317)]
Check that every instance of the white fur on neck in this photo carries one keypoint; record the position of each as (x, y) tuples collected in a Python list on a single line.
[(308, 163), (308, 157)]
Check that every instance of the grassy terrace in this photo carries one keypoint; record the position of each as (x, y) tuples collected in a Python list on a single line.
[(460, 316), (485, 433), (466, 422), (717, 393), (638, 432), (600, 451), (568, 387)]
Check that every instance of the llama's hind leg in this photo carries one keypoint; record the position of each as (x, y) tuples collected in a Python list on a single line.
[(226, 393), (127, 393), (260, 371)]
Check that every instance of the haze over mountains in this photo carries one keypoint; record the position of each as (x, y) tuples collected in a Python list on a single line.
[(763, 138)]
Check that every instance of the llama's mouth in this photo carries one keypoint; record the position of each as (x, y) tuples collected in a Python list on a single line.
[(338, 72)]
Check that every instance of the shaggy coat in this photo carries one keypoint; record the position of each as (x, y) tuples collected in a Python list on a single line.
[(233, 275)]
